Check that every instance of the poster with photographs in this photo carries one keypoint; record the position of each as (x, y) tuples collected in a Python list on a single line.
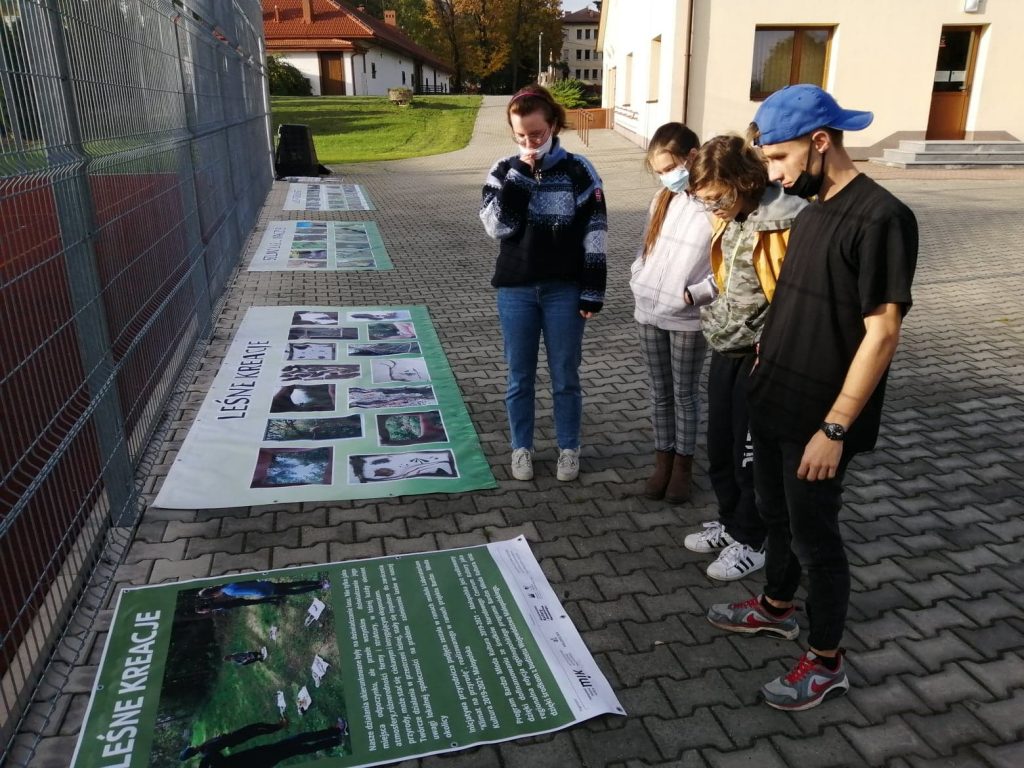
[(328, 246), (340, 665), (313, 179), (327, 196), (324, 404)]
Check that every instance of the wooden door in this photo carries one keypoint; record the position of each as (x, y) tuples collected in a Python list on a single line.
[(332, 74), (951, 88)]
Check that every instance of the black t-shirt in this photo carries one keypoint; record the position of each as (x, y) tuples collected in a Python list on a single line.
[(846, 256)]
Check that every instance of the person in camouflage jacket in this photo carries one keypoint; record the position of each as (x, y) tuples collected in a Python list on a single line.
[(752, 221)]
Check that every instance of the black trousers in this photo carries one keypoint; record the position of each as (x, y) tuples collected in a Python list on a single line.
[(730, 453), (803, 534)]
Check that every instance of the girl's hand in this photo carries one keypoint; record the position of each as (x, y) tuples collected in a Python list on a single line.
[(586, 315)]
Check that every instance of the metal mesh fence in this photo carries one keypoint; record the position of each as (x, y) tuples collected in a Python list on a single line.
[(134, 156)]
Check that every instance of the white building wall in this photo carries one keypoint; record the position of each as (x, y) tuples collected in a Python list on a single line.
[(882, 58), (586, 45), (389, 67), (308, 63), (436, 79), (387, 64), (642, 102)]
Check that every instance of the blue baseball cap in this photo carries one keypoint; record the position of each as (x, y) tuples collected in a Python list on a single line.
[(797, 110)]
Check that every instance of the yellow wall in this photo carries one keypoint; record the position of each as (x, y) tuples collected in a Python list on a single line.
[(882, 58)]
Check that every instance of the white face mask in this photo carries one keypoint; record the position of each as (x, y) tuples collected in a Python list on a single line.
[(538, 152), (677, 180)]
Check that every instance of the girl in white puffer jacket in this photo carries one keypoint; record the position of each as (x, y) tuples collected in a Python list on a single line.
[(674, 257)]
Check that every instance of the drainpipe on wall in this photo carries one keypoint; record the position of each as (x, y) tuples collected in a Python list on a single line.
[(689, 57)]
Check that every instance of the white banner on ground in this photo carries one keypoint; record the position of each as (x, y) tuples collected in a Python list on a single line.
[(329, 246), (327, 197), (328, 403)]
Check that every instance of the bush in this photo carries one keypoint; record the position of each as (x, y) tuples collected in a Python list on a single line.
[(569, 93), (286, 80)]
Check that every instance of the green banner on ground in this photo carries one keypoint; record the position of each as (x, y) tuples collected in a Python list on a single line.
[(340, 665), (328, 403), (326, 246)]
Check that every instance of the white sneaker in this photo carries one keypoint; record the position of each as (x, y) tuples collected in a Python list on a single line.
[(711, 539), (522, 464), (736, 561), (568, 465)]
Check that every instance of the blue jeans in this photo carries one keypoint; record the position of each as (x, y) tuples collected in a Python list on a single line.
[(551, 308)]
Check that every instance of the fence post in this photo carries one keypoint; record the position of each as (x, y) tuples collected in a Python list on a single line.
[(203, 305), (77, 221)]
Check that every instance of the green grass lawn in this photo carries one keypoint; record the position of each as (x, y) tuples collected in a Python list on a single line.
[(354, 129)]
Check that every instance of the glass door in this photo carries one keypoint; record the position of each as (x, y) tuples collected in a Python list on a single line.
[(951, 88)]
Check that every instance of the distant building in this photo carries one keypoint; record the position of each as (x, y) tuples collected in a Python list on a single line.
[(579, 45), (344, 51), (927, 69)]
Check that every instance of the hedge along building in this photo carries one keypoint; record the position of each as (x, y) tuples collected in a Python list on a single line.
[(936, 69), (344, 51)]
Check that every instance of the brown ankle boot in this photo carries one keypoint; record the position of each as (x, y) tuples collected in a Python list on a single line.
[(678, 489), (655, 486)]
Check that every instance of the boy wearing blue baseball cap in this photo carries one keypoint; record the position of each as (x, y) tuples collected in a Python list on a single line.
[(817, 387)]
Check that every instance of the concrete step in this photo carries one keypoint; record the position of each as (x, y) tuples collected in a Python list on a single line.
[(962, 147), (928, 161), (904, 155), (913, 153)]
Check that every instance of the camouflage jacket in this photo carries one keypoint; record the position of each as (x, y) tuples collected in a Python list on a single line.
[(746, 257)]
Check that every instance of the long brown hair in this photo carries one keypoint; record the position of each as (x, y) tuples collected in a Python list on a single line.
[(678, 141), (536, 98), (730, 161)]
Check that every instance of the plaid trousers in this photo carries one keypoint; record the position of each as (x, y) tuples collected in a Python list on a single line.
[(674, 361)]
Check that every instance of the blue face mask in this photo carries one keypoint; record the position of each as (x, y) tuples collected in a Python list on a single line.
[(677, 180)]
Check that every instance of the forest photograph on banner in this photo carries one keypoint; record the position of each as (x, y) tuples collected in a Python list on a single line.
[(328, 403), (340, 665)]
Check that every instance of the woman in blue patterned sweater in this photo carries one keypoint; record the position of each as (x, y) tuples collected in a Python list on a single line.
[(546, 208)]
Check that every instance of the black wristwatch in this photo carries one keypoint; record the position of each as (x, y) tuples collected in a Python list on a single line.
[(833, 431)]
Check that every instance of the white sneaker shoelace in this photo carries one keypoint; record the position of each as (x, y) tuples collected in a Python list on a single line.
[(568, 464), (711, 539), (522, 464)]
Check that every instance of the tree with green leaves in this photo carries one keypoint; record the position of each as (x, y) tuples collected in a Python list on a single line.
[(569, 93), (286, 80), (493, 43)]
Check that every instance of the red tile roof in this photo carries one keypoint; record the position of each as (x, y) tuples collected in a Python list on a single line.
[(582, 16), (319, 44), (335, 22)]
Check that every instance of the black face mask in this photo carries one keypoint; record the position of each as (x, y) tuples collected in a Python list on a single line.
[(807, 185)]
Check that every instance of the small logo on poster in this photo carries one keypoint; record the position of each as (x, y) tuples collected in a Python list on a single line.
[(583, 678)]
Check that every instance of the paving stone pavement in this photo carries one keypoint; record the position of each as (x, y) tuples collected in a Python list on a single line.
[(933, 517)]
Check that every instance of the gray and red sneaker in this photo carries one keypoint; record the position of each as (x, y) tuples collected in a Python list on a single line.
[(750, 618), (806, 685)]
